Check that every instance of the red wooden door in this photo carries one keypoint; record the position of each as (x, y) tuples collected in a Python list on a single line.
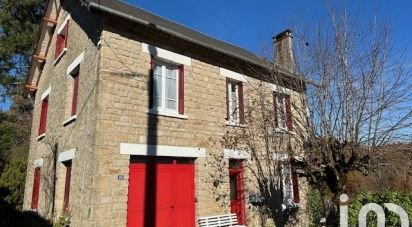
[(237, 200), (165, 183)]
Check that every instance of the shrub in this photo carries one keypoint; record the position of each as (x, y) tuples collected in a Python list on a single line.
[(315, 206), (392, 219)]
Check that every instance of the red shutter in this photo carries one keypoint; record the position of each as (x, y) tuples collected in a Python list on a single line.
[(295, 185), (61, 40), (36, 187), (66, 34), (181, 89), (67, 186), (43, 116), (275, 111), (59, 45), (227, 100), (75, 93), (151, 82), (241, 103), (289, 121)]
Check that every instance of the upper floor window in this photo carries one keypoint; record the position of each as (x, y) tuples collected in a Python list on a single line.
[(61, 39), (167, 88), (282, 111), (43, 115), (234, 99)]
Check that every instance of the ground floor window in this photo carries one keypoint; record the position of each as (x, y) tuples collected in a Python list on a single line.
[(36, 188)]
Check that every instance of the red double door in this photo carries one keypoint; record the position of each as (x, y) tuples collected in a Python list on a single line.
[(161, 193)]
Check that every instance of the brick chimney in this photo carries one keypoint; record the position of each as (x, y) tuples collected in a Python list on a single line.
[(282, 44)]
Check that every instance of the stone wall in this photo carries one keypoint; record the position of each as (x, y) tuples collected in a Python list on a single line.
[(83, 35), (123, 118), (113, 109)]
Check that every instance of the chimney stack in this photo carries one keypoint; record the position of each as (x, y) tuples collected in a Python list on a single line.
[(282, 48)]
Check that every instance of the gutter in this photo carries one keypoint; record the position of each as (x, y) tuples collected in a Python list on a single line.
[(102, 8)]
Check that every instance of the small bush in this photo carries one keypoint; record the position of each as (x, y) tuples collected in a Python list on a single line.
[(315, 206), (392, 219)]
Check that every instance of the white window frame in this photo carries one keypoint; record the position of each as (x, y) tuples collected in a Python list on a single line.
[(61, 30), (290, 186), (231, 121), (44, 96), (162, 110), (163, 76), (278, 114)]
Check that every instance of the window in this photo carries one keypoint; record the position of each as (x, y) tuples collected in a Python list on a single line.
[(61, 40), (36, 187), (167, 87), (72, 93), (234, 99), (75, 91), (282, 111), (68, 165), (43, 115), (290, 185)]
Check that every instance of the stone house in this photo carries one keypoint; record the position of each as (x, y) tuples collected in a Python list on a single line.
[(129, 107)]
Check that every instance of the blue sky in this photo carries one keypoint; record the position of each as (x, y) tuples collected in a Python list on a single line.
[(249, 24)]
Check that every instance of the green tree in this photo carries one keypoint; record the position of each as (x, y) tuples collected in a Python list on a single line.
[(19, 21), (15, 128)]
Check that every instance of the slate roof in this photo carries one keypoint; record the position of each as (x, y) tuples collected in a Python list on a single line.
[(138, 15)]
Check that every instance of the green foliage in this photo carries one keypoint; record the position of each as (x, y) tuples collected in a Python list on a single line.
[(19, 21), (15, 126), (62, 221), (13, 178), (315, 206), (392, 219)]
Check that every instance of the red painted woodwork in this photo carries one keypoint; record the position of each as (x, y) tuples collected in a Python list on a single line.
[(275, 110), (66, 33), (173, 186), (227, 100), (43, 115), (61, 41), (241, 103), (67, 186), (237, 199), (181, 89), (75, 93), (289, 121), (36, 188), (295, 185)]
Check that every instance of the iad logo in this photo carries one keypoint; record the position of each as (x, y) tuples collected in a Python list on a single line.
[(344, 213)]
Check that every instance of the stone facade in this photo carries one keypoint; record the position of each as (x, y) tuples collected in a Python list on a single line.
[(113, 109)]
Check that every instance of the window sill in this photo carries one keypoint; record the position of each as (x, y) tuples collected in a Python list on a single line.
[(60, 56), (69, 120), (235, 124), (284, 131), (166, 113), (41, 136)]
